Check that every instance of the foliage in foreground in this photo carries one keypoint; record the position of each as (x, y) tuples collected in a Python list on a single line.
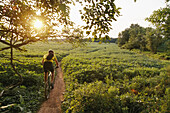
[(97, 76), (28, 96), (106, 79)]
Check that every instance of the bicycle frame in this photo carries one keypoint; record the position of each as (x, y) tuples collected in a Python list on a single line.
[(48, 84)]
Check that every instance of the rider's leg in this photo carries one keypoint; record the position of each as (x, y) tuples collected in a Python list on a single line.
[(52, 77), (45, 66), (45, 76)]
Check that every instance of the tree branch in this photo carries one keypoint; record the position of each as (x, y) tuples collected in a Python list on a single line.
[(4, 42), (17, 45)]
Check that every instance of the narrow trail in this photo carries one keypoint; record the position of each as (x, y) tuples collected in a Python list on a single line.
[(53, 104)]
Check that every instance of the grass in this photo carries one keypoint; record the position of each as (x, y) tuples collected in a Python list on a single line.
[(98, 77)]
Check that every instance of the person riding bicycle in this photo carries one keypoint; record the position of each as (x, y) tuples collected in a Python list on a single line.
[(48, 65)]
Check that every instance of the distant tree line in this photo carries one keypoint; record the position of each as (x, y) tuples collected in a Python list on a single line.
[(110, 40), (151, 39)]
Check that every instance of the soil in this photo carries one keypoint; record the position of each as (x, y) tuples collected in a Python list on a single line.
[(53, 104)]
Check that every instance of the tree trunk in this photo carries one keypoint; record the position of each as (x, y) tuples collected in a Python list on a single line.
[(13, 66)]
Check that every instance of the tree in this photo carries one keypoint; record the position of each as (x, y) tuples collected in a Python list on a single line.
[(161, 20), (16, 29), (17, 18), (75, 36), (136, 32), (132, 38), (98, 15), (153, 39), (123, 37)]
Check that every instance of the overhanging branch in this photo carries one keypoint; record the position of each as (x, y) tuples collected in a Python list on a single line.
[(16, 46), (4, 42)]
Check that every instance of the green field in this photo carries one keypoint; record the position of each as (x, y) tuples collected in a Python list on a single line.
[(99, 78)]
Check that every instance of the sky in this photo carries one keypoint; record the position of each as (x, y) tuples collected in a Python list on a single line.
[(132, 13)]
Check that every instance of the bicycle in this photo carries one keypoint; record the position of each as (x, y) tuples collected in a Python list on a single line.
[(48, 86)]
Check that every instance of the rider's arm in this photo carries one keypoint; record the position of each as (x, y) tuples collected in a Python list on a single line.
[(56, 62), (43, 60)]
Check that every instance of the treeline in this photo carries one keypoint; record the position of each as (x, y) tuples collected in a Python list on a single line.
[(110, 40), (148, 39), (137, 37)]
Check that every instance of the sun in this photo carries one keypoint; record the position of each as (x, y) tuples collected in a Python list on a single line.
[(38, 12), (38, 24)]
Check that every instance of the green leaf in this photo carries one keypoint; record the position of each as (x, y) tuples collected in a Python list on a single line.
[(87, 32), (21, 100), (62, 7)]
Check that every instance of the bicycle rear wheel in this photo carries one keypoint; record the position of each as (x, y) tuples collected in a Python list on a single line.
[(47, 87)]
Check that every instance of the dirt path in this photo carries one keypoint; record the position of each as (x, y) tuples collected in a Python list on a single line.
[(53, 104)]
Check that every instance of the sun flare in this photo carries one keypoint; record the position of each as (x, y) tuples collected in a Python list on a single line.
[(38, 12), (38, 24)]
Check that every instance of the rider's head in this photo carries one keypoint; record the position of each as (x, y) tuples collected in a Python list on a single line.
[(50, 51)]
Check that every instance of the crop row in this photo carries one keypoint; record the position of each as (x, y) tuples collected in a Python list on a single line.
[(114, 80), (28, 96)]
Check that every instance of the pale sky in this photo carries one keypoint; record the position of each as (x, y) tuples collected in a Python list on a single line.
[(132, 13)]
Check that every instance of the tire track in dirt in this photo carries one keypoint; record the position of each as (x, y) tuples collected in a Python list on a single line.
[(53, 104)]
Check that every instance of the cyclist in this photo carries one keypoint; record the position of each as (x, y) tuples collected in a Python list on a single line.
[(48, 65)]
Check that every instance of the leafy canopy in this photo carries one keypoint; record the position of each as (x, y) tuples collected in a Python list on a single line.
[(161, 19), (17, 18)]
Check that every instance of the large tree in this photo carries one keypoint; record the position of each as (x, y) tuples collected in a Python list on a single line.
[(161, 20), (18, 17), (123, 37), (153, 39), (132, 38)]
